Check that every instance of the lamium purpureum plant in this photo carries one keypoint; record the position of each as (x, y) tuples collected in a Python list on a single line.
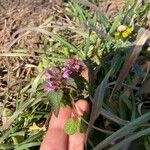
[(66, 79), (59, 91)]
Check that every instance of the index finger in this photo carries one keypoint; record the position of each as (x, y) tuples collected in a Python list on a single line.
[(76, 141)]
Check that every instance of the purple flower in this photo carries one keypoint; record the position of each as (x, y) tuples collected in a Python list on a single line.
[(72, 67), (48, 74), (55, 77), (67, 73), (53, 80)]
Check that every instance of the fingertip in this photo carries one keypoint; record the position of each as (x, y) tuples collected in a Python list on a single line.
[(82, 107), (85, 74)]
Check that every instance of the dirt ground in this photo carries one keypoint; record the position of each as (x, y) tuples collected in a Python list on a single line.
[(14, 15), (17, 14)]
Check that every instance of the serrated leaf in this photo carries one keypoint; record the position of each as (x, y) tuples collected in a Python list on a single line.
[(55, 100), (71, 126)]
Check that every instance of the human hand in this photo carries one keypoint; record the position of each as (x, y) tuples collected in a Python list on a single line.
[(56, 138)]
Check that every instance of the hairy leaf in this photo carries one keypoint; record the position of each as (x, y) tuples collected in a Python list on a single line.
[(71, 126), (55, 100)]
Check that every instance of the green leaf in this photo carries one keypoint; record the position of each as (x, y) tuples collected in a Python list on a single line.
[(80, 12), (71, 126), (21, 108), (122, 108), (55, 100), (99, 96), (147, 143), (45, 62), (18, 137), (125, 106), (35, 84)]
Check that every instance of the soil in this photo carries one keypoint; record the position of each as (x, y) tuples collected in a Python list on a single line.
[(110, 7), (15, 15)]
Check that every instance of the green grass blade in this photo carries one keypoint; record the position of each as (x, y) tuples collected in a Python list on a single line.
[(28, 145), (7, 134), (123, 131), (80, 11), (130, 139), (102, 18), (35, 84), (6, 146), (109, 115), (56, 37), (98, 101), (130, 61), (115, 24), (32, 138), (15, 115)]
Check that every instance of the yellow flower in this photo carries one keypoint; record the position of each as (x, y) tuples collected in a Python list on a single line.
[(125, 34), (129, 30)]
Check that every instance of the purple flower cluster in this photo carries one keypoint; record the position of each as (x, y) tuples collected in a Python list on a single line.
[(72, 67), (54, 78)]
